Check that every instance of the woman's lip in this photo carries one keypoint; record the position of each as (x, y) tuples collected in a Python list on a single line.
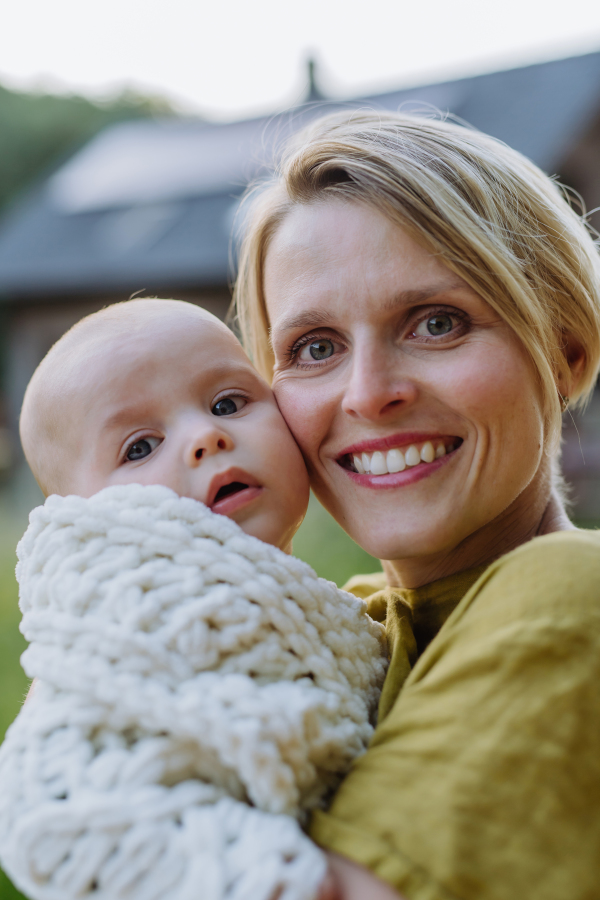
[(233, 502), (222, 478), (400, 479), (399, 440)]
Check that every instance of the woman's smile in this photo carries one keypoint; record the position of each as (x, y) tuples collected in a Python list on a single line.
[(395, 454)]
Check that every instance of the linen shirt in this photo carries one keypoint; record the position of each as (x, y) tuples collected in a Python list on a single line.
[(482, 781)]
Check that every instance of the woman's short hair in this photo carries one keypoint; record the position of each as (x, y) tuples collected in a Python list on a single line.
[(489, 213)]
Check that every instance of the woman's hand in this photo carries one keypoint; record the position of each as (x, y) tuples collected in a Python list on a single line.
[(346, 880)]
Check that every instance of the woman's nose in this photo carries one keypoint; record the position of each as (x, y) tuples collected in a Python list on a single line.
[(376, 389), (206, 441)]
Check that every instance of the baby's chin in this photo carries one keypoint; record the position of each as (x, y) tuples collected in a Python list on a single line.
[(267, 535), (268, 528)]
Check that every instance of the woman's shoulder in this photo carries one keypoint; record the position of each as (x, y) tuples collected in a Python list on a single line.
[(575, 541), (552, 574), (534, 610), (564, 560)]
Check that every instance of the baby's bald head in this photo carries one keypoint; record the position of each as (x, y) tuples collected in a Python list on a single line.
[(74, 370)]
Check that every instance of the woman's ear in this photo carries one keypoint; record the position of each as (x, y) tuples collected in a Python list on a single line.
[(576, 359)]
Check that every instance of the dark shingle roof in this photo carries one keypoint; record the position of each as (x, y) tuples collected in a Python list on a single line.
[(538, 109), (151, 203)]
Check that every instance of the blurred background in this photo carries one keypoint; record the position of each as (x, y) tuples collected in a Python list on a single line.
[(129, 129)]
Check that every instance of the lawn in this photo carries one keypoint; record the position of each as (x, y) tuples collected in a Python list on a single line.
[(12, 678), (320, 542)]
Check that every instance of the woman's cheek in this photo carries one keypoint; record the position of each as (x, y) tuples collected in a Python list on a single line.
[(498, 394), (492, 383), (307, 412)]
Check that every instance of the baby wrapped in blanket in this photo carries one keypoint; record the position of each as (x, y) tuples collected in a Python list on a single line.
[(199, 690)]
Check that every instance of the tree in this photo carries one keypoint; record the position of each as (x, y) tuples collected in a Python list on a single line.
[(39, 130)]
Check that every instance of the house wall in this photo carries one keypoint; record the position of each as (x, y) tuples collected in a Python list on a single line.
[(581, 170), (581, 461)]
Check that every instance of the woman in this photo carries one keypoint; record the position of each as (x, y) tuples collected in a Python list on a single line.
[(426, 303)]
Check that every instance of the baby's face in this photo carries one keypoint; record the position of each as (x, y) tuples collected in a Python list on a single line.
[(177, 403)]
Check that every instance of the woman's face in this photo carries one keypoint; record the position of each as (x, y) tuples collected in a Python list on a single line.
[(415, 406)]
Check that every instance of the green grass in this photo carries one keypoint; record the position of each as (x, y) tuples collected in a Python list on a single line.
[(320, 542), (13, 681), (7, 889), (12, 678)]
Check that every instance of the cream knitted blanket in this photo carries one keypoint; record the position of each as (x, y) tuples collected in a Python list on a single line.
[(199, 692)]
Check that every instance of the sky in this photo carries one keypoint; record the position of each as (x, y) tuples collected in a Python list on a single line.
[(235, 58)]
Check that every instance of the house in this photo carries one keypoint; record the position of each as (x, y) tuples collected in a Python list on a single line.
[(149, 206)]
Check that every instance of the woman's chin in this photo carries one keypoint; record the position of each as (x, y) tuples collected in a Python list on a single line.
[(387, 541)]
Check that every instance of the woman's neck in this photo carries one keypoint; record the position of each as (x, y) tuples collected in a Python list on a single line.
[(538, 511)]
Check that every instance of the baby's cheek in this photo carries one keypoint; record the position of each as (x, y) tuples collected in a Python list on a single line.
[(145, 474)]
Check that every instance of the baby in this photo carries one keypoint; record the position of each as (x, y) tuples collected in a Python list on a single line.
[(199, 691)]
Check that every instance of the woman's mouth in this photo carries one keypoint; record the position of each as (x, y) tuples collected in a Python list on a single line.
[(416, 459)]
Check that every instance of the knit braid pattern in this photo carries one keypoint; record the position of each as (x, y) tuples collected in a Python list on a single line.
[(199, 692)]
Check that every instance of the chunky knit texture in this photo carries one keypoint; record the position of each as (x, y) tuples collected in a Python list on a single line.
[(199, 692)]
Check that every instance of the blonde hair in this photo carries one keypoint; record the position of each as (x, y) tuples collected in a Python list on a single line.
[(489, 213)]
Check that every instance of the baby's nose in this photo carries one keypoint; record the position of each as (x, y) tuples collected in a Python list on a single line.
[(207, 444), (221, 445)]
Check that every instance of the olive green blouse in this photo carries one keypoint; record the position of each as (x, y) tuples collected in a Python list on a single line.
[(482, 781)]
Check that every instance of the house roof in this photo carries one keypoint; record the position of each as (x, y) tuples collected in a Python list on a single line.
[(149, 203)]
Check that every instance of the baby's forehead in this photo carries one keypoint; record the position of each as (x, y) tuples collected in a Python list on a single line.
[(160, 352), (157, 336)]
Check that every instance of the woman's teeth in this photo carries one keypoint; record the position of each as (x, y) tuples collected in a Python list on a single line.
[(396, 460)]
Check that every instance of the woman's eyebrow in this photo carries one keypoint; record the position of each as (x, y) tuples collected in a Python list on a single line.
[(410, 297), (317, 318), (311, 318)]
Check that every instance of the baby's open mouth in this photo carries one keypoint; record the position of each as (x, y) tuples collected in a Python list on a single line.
[(233, 487), (396, 459)]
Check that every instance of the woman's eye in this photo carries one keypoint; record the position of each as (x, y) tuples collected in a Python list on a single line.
[(142, 448), (435, 326), (227, 406), (317, 350)]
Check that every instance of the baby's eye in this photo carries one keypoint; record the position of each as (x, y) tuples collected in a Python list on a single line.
[(435, 326), (323, 348), (227, 406), (142, 448)]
